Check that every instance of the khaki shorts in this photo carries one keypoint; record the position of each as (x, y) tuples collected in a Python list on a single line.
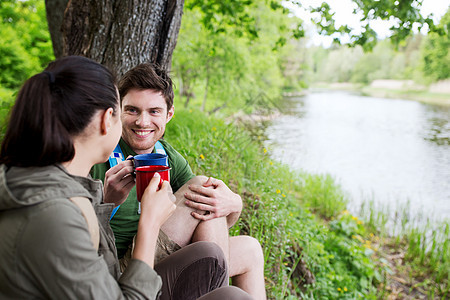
[(164, 247)]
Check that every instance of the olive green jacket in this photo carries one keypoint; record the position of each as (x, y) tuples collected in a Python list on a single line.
[(46, 249)]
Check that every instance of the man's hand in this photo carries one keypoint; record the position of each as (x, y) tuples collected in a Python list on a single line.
[(118, 182), (216, 198)]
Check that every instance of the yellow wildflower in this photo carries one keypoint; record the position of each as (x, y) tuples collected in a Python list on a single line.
[(214, 129), (265, 150), (345, 289), (202, 156), (283, 195), (339, 289), (270, 163), (278, 191)]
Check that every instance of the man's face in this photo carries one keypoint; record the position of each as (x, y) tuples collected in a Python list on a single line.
[(144, 119)]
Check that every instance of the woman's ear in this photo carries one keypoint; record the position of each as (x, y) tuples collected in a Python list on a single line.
[(106, 120)]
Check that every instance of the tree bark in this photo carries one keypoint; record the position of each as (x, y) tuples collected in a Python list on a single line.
[(121, 34), (55, 15)]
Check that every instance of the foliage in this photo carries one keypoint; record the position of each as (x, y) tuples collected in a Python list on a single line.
[(218, 70), (344, 64), (435, 52), (405, 14), (235, 17), (26, 47)]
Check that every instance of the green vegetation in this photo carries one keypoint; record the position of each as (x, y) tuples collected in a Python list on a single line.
[(25, 48), (224, 63), (435, 51), (221, 68), (314, 248)]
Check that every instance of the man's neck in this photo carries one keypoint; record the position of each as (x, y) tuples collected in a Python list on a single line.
[(150, 150), (144, 151)]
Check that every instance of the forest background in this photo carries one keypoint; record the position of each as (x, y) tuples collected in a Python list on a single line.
[(313, 247)]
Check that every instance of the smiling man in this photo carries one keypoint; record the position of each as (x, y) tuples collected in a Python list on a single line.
[(142, 130), (206, 207)]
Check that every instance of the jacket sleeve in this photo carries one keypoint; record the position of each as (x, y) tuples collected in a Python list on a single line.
[(60, 260)]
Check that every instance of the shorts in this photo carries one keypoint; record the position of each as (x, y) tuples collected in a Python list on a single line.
[(164, 247)]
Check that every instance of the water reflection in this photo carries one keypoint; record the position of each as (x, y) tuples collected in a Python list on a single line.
[(439, 125), (393, 151)]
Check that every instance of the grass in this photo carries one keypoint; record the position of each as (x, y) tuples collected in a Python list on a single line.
[(416, 95), (419, 95), (424, 247)]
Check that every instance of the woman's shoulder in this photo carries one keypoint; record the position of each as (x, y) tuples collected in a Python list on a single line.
[(54, 228)]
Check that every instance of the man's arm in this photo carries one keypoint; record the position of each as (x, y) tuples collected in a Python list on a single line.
[(214, 197)]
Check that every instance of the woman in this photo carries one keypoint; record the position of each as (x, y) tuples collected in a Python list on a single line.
[(65, 120)]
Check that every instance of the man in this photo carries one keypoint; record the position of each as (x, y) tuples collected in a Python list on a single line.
[(206, 207)]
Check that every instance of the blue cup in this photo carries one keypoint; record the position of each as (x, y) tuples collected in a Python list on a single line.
[(150, 159)]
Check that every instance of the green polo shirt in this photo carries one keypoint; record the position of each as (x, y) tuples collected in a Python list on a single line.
[(125, 222)]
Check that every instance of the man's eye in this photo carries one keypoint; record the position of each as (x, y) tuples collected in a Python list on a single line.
[(154, 111), (131, 110)]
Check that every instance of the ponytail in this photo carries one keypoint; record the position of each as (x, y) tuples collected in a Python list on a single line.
[(52, 107)]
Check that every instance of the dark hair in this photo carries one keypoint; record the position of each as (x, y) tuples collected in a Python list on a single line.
[(52, 107), (148, 76)]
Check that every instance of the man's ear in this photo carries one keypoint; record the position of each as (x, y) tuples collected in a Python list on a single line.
[(106, 120), (170, 113)]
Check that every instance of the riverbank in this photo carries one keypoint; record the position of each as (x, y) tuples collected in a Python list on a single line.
[(313, 247), (438, 94)]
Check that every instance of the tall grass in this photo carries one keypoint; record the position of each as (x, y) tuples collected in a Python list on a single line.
[(426, 244)]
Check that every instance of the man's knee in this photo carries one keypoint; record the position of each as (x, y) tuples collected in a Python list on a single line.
[(211, 250), (254, 247), (199, 179), (227, 293)]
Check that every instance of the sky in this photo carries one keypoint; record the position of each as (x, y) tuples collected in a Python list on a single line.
[(344, 15)]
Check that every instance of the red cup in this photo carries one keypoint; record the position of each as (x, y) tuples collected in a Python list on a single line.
[(145, 173)]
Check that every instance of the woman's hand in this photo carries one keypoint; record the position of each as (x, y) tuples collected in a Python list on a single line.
[(157, 204)]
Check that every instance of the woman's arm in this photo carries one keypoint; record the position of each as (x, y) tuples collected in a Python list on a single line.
[(156, 207)]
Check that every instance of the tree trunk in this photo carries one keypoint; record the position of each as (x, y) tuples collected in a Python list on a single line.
[(55, 15), (121, 34)]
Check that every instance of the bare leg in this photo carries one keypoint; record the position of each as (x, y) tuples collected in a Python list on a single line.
[(181, 225), (247, 265), (216, 231)]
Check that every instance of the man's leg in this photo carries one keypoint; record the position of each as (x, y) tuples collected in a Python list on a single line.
[(247, 265), (192, 271), (214, 230), (181, 225), (243, 253), (227, 293)]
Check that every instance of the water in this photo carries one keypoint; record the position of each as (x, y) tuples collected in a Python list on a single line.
[(394, 152)]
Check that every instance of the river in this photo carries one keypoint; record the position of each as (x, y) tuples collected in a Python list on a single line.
[(391, 151)]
